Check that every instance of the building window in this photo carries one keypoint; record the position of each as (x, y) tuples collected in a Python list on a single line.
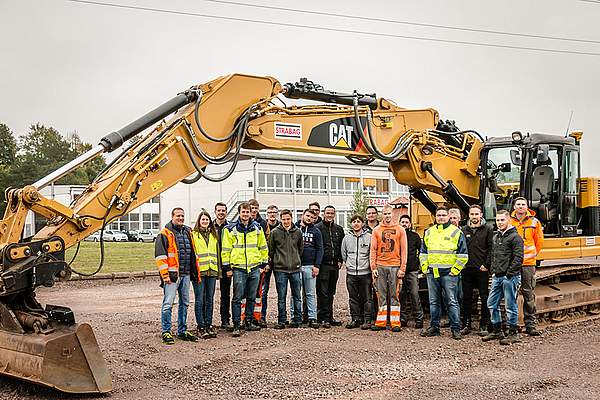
[(129, 222), (344, 185), (150, 221), (274, 182), (311, 184), (341, 218), (380, 187)]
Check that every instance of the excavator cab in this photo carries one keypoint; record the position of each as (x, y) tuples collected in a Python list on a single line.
[(542, 168)]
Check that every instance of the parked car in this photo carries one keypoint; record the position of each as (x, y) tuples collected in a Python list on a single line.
[(132, 236), (147, 235), (94, 237), (115, 236)]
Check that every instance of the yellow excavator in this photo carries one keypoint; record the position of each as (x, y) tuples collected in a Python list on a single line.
[(209, 124)]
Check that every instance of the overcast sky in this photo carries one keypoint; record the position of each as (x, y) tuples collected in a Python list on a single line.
[(92, 69)]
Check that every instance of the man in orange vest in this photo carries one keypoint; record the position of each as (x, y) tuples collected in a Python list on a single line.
[(176, 261), (530, 230)]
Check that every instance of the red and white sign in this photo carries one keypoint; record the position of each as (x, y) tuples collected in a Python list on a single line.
[(378, 201), (288, 131)]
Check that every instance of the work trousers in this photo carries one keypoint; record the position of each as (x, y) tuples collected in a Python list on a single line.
[(527, 290), (359, 296), (225, 289), (410, 291), (388, 289), (473, 278), (326, 287)]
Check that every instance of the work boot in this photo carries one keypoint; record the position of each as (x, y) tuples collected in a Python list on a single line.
[(429, 332), (279, 326), (483, 331), (466, 329), (396, 329), (167, 338), (335, 322), (326, 325), (236, 331), (456, 335), (353, 324), (513, 337), (312, 323), (188, 337), (495, 334), (419, 324), (367, 325), (252, 327), (295, 325), (262, 323), (531, 331)]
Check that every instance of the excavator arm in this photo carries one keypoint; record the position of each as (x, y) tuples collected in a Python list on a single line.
[(208, 124)]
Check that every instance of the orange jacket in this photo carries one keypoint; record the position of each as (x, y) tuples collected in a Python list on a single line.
[(388, 247), (530, 229)]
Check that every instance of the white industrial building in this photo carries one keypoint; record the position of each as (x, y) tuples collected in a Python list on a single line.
[(288, 180)]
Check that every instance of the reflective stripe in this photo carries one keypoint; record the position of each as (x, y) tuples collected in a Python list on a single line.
[(456, 232), (248, 246), (171, 254), (528, 255), (202, 254), (226, 248), (160, 257), (460, 262), (441, 252), (263, 248), (441, 265), (529, 247)]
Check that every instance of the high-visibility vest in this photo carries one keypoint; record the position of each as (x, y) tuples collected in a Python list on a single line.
[(206, 253), (442, 250), (170, 262), (244, 250), (530, 230)]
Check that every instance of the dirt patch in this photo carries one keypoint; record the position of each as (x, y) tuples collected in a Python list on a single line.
[(308, 363)]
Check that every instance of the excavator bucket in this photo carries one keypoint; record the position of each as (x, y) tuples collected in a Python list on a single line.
[(67, 358)]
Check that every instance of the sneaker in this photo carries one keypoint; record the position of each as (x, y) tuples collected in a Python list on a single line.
[(326, 325), (419, 324), (367, 325), (167, 338), (236, 331), (531, 331), (252, 327), (335, 322), (188, 337), (205, 333), (396, 329), (212, 331), (430, 332), (456, 335), (279, 326), (353, 324), (377, 328), (262, 323), (403, 324), (513, 337), (312, 323)]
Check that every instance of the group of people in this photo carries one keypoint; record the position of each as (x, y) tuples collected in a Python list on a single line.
[(382, 259)]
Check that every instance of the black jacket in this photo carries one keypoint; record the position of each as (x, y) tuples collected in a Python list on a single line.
[(479, 243), (261, 221), (507, 253), (332, 242), (219, 229), (413, 241), (285, 247)]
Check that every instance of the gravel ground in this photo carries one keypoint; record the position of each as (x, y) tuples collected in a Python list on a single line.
[(308, 363)]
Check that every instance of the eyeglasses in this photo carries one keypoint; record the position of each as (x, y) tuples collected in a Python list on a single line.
[(272, 212)]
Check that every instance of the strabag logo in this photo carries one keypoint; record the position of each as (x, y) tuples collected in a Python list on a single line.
[(337, 134), (288, 131)]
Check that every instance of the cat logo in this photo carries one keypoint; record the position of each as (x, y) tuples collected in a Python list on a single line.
[(340, 135)]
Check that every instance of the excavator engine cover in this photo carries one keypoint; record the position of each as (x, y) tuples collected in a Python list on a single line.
[(66, 358)]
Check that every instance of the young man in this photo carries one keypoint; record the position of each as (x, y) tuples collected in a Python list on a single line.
[(272, 223), (443, 255), (530, 230), (410, 287), (226, 272), (372, 220), (285, 247), (311, 258), (315, 207), (506, 260), (479, 237), (255, 215), (388, 264), (355, 256), (245, 251), (333, 234), (176, 261)]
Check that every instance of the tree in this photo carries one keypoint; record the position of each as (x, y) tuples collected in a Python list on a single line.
[(8, 146), (43, 150), (359, 204)]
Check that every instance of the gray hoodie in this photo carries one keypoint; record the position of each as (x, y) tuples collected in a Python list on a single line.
[(355, 253)]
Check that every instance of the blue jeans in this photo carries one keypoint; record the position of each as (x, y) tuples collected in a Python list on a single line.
[(181, 287), (281, 281), (507, 288), (309, 291), (204, 295), (445, 286), (265, 293), (244, 287)]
